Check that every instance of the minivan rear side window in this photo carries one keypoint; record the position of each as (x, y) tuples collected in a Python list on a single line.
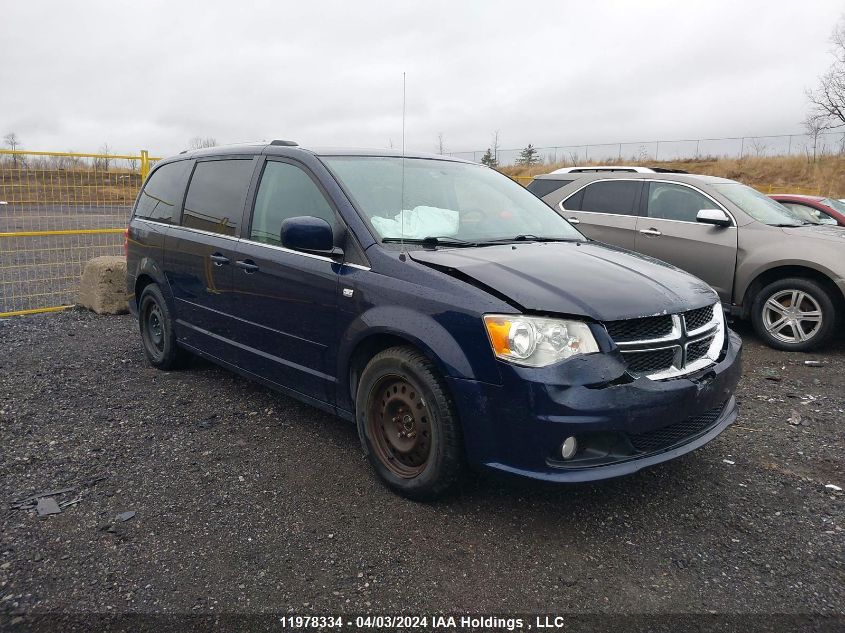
[(544, 186), (163, 192), (216, 195), (611, 196), (286, 191)]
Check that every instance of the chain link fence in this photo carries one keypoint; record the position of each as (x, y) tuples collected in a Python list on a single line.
[(57, 211), (813, 146)]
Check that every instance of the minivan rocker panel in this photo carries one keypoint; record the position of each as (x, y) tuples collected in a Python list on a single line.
[(489, 333)]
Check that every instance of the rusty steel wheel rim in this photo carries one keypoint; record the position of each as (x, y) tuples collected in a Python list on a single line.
[(154, 328), (399, 425)]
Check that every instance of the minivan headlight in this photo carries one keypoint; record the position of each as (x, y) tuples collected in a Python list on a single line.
[(537, 341)]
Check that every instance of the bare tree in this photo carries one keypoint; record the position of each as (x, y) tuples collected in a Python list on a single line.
[(759, 147), (828, 98), (441, 144), (813, 125), (12, 142), (199, 142), (494, 147), (103, 162)]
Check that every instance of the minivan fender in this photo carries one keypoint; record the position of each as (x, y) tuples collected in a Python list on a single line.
[(394, 325), (149, 268)]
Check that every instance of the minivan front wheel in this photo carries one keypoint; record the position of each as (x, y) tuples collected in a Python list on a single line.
[(157, 333), (408, 425), (794, 314)]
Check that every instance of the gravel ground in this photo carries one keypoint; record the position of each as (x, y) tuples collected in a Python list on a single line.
[(247, 501)]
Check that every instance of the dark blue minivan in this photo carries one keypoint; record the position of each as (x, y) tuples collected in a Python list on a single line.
[(447, 311)]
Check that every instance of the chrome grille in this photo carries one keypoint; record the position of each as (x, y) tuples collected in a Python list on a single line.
[(677, 433), (638, 329), (660, 347), (651, 361), (695, 319), (697, 350)]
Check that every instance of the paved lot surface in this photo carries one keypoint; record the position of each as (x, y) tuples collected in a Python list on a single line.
[(43, 271), (247, 501)]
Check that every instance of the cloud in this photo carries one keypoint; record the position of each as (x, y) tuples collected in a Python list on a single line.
[(76, 75)]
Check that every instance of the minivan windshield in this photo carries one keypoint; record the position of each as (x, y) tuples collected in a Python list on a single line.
[(444, 202), (759, 206)]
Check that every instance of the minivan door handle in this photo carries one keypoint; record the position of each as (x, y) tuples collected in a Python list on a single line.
[(219, 259), (650, 232), (574, 221), (248, 265)]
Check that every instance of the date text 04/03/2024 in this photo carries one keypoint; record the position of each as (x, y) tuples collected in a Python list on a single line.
[(422, 621)]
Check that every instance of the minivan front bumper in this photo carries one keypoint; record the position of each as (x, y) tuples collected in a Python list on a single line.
[(621, 424)]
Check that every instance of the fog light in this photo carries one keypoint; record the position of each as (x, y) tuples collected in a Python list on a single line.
[(568, 448)]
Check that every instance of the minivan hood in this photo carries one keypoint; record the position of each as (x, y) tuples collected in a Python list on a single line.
[(577, 278), (816, 231)]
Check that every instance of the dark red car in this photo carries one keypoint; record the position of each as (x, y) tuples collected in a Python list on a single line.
[(813, 208)]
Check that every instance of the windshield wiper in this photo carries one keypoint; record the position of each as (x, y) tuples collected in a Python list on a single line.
[(528, 237), (430, 240)]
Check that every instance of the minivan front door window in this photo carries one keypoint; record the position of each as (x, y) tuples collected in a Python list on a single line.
[(286, 191)]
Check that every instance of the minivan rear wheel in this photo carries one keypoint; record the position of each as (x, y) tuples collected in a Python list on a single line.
[(408, 424), (157, 333), (794, 314)]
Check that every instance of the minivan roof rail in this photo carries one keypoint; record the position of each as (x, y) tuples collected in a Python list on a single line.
[(284, 143)]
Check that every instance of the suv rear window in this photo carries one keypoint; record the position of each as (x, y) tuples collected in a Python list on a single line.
[(611, 196), (163, 192), (543, 187), (215, 200)]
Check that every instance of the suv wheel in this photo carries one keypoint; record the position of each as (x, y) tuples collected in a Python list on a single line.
[(157, 334), (794, 314), (408, 425)]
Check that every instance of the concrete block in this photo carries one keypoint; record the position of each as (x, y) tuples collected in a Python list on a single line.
[(103, 286)]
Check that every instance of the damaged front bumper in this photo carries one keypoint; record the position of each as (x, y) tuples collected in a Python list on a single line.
[(622, 424)]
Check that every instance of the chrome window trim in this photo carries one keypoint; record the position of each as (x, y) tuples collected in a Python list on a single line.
[(309, 255), (135, 217), (718, 204), (273, 246), (202, 232), (610, 215)]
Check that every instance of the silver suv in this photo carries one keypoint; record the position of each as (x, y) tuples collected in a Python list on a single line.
[(785, 274)]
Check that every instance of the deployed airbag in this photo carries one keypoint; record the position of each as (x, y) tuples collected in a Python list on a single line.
[(418, 223)]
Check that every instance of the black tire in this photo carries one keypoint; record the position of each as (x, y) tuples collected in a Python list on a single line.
[(408, 425), (795, 334), (158, 336)]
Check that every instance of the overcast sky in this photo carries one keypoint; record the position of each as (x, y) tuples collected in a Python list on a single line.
[(154, 74)]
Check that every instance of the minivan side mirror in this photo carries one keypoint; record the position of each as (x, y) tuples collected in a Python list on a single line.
[(310, 235), (716, 217)]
